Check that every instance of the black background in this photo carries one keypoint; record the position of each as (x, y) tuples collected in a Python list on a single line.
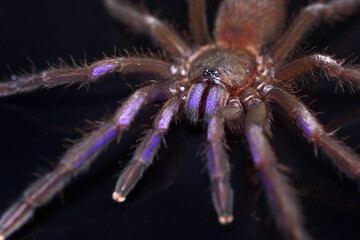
[(33, 128)]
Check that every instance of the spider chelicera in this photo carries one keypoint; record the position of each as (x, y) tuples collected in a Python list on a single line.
[(211, 90)]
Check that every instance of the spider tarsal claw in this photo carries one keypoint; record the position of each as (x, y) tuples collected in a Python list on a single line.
[(117, 197)]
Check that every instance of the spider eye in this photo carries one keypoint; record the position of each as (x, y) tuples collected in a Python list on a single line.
[(211, 73)]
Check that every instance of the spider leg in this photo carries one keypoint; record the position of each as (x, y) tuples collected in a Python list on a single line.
[(307, 18), (218, 163), (342, 156), (146, 151), (307, 64), (83, 75), (78, 158), (198, 24), (142, 22), (281, 198)]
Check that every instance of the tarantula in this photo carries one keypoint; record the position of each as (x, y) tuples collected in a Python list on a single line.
[(233, 81)]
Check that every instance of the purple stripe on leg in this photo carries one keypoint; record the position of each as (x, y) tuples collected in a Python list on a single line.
[(104, 140), (102, 70), (195, 96), (215, 99), (307, 122), (211, 151), (212, 161), (151, 146), (212, 101), (219, 170), (129, 110), (146, 151)]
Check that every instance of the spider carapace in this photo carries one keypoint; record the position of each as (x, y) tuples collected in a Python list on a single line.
[(231, 79)]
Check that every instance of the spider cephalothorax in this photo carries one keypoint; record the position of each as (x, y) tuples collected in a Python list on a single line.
[(233, 80)]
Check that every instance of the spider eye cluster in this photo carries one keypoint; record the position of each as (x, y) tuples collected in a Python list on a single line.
[(211, 73)]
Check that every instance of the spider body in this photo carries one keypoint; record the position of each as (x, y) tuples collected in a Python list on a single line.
[(216, 74), (224, 84)]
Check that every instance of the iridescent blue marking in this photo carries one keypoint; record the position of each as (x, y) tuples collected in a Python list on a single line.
[(101, 70), (212, 101), (195, 96), (100, 143), (210, 135), (211, 126), (154, 142), (167, 116), (165, 119), (255, 135), (211, 161), (130, 110), (306, 126)]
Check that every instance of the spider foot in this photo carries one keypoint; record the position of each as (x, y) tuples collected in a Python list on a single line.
[(117, 197), (224, 219)]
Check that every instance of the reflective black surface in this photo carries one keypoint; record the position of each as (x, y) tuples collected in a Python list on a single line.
[(33, 128)]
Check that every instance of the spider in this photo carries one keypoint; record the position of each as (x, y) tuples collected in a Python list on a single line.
[(211, 78)]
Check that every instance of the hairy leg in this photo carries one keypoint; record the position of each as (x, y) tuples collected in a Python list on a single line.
[(281, 198), (218, 165), (342, 156), (77, 159), (145, 23), (198, 24), (86, 74), (146, 151), (307, 64), (307, 18)]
